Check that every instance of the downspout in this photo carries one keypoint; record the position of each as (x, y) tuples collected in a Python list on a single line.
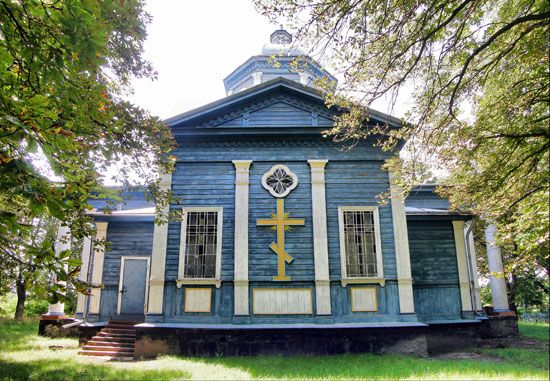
[(469, 265)]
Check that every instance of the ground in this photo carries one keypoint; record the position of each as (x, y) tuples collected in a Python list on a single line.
[(24, 355)]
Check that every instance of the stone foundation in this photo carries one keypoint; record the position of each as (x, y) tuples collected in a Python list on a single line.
[(250, 342), (54, 327)]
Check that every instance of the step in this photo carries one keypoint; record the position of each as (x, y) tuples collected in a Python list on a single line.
[(119, 330), (110, 344), (121, 322), (116, 339), (114, 334), (114, 355), (116, 326), (107, 349)]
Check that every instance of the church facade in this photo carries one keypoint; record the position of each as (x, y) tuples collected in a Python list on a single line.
[(281, 228)]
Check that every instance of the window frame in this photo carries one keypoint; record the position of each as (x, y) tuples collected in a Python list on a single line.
[(182, 279), (379, 278)]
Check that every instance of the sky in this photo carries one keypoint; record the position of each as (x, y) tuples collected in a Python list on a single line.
[(194, 45)]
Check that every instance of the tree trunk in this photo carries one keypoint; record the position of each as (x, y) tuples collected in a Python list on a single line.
[(21, 296)]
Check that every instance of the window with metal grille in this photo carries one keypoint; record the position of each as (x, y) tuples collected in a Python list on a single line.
[(201, 244), (359, 232)]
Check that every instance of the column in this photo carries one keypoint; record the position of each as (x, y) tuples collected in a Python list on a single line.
[(97, 272), (257, 78), (498, 284), (63, 242), (469, 238), (83, 276), (320, 243), (158, 256), (401, 237), (242, 170), (462, 266)]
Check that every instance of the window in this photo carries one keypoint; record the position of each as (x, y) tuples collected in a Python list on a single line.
[(200, 247), (360, 246), (279, 180)]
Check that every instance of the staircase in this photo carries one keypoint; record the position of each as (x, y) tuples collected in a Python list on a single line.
[(116, 340)]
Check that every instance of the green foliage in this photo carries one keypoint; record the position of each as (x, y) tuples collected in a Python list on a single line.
[(487, 57), (64, 67)]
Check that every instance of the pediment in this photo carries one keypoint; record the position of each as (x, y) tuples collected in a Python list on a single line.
[(281, 111)]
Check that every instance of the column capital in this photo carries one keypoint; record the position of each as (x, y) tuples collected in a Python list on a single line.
[(166, 180), (317, 164), (101, 227), (242, 165)]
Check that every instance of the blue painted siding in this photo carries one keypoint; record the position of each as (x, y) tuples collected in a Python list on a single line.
[(125, 239), (434, 270)]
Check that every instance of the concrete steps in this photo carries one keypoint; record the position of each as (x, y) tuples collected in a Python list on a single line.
[(116, 340)]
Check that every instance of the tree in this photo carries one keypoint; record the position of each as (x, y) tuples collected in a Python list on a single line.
[(64, 69), (479, 75), (20, 270)]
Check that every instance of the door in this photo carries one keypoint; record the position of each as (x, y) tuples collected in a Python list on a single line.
[(133, 285)]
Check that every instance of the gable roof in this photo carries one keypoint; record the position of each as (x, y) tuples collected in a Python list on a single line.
[(239, 114)]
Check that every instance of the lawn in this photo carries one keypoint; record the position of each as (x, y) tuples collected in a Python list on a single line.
[(24, 355)]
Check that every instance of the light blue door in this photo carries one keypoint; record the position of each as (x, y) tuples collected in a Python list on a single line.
[(133, 287)]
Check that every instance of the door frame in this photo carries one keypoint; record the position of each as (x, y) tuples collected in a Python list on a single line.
[(121, 281)]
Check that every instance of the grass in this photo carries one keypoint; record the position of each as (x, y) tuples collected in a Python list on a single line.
[(535, 330), (24, 355)]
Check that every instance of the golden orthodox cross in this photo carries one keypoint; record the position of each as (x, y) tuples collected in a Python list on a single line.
[(279, 248)]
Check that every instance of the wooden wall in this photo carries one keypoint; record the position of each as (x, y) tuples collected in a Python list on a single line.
[(434, 269)]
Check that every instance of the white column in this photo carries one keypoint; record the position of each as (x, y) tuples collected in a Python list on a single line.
[(257, 77), (63, 242), (242, 170), (401, 237), (83, 276), (496, 270), (462, 266), (97, 272), (158, 256), (469, 238), (320, 243)]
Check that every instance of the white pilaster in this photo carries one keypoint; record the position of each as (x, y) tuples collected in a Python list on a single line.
[(303, 77), (242, 170), (498, 284), (462, 265), (63, 242), (401, 237), (257, 77), (158, 256), (469, 238), (320, 243), (83, 276), (97, 272)]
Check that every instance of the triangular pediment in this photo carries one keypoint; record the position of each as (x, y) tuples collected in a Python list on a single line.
[(269, 108)]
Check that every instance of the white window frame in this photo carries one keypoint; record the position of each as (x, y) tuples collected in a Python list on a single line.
[(379, 278), (182, 280)]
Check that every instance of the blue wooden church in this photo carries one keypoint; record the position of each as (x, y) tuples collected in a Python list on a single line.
[(283, 244)]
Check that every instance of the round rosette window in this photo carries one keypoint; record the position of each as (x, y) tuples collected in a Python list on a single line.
[(279, 180)]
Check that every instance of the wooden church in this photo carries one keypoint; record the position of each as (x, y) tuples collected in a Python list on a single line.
[(283, 245)]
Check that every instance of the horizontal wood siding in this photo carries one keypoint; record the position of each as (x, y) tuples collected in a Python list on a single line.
[(125, 239), (262, 261), (434, 270)]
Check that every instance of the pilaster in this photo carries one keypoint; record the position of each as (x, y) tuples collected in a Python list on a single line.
[(320, 243), (462, 266), (158, 256), (469, 239), (83, 276), (63, 242), (401, 237), (97, 272), (242, 170)]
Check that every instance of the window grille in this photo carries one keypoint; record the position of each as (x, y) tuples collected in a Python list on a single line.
[(201, 245), (360, 243)]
